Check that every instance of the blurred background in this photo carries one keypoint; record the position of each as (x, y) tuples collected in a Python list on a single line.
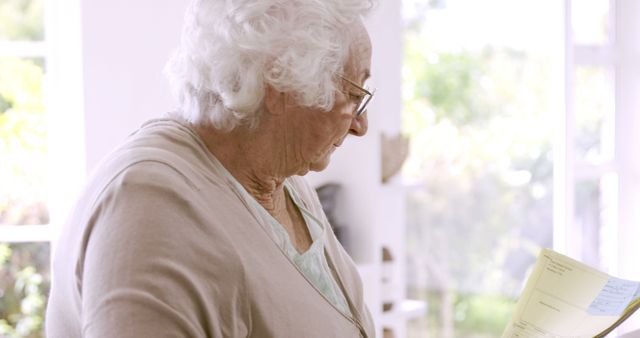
[(516, 120)]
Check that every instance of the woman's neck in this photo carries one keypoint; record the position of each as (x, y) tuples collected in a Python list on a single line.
[(249, 157)]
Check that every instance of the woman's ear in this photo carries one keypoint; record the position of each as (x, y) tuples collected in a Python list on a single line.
[(274, 101)]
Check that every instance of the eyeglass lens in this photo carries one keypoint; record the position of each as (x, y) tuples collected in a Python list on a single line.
[(362, 105)]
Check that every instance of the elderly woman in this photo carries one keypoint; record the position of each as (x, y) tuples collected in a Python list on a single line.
[(200, 225)]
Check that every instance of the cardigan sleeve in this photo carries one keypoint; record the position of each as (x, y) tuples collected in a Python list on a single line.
[(144, 270)]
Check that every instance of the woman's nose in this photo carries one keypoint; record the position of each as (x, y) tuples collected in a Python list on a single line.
[(359, 125)]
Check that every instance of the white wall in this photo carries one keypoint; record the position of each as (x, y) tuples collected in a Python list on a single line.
[(125, 47), (628, 140)]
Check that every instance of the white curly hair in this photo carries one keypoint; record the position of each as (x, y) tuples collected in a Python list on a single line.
[(231, 49)]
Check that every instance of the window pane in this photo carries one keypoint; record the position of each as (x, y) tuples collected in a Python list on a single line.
[(480, 102), (24, 285), (21, 20), (590, 21), (23, 143), (596, 216), (594, 115)]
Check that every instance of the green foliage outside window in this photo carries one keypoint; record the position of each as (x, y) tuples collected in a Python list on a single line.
[(21, 20), (24, 282), (23, 148), (480, 123), (23, 143)]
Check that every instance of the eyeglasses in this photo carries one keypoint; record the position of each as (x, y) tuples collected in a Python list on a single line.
[(364, 99)]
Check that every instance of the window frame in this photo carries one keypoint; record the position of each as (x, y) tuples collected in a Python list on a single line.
[(616, 55), (567, 168)]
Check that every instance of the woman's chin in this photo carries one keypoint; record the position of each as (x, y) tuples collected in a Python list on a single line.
[(321, 163)]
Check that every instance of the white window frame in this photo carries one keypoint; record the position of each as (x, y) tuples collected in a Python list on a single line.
[(567, 169), (65, 102), (619, 55)]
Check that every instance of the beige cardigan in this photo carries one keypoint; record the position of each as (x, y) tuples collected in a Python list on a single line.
[(161, 245)]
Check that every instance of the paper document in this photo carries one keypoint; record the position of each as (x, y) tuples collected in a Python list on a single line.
[(566, 298)]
